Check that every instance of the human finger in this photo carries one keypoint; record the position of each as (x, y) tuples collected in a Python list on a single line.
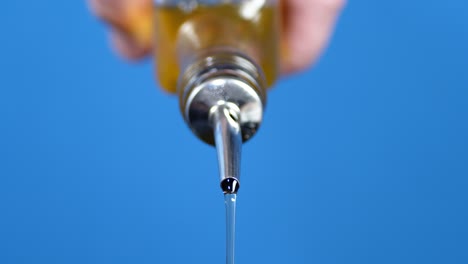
[(307, 25)]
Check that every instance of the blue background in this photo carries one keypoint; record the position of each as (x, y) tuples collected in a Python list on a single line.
[(367, 152)]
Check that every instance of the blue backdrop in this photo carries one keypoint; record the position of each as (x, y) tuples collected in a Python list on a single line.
[(368, 150)]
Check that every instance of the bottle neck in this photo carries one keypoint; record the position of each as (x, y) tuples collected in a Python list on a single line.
[(221, 78), (220, 63)]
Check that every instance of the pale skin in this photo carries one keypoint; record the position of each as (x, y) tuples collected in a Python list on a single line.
[(307, 27)]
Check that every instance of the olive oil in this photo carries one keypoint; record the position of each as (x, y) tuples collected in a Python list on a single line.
[(181, 34), (230, 202)]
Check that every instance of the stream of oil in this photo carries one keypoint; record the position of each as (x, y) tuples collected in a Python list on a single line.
[(230, 201)]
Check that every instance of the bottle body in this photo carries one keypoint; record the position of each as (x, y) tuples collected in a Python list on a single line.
[(187, 30)]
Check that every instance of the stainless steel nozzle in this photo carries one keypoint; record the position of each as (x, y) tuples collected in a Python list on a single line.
[(223, 105), (228, 140)]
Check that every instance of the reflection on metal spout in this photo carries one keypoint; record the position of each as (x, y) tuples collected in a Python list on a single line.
[(228, 140)]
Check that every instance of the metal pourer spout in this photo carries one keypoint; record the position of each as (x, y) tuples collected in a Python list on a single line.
[(222, 99), (228, 140)]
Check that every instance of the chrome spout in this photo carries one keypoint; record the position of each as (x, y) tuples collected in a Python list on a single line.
[(222, 99), (228, 141)]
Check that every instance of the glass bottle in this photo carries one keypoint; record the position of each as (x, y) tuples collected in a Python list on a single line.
[(219, 57), (188, 30)]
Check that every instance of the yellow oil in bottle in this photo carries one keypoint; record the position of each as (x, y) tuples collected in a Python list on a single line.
[(243, 28)]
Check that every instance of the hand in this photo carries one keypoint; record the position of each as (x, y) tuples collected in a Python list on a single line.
[(307, 26)]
